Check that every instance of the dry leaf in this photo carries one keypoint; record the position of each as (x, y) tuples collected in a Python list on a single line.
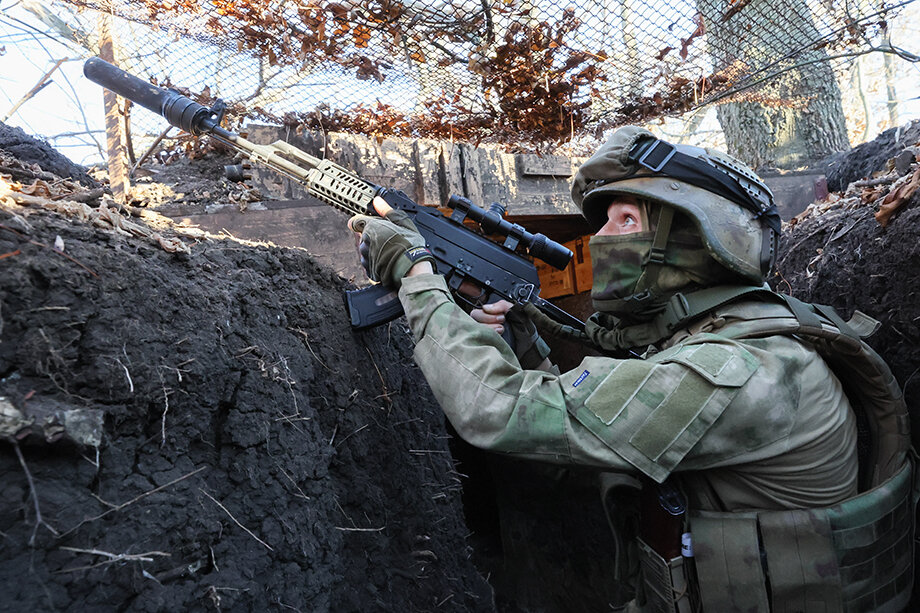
[(897, 198)]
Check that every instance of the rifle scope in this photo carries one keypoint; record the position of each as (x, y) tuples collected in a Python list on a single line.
[(491, 222), (180, 111)]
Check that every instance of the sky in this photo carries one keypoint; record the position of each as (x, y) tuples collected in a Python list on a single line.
[(25, 56)]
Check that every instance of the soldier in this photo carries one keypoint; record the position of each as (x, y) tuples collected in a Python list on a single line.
[(723, 397)]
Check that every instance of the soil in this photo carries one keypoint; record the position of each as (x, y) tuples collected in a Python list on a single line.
[(197, 185), (858, 163), (256, 454), (28, 150), (838, 253)]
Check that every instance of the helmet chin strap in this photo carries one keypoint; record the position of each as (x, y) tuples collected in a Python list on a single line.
[(655, 260), (666, 159)]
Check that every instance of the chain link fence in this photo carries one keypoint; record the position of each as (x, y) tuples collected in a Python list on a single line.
[(530, 74)]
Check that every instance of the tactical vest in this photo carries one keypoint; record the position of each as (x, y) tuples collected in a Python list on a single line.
[(853, 556)]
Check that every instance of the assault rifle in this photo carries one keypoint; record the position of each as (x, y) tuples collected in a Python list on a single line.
[(461, 253)]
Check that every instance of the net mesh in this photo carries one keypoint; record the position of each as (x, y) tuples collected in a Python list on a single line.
[(526, 73)]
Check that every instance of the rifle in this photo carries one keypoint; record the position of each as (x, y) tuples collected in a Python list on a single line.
[(462, 254)]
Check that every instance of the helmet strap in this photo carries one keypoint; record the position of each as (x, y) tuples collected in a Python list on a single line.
[(655, 260), (664, 158), (768, 247)]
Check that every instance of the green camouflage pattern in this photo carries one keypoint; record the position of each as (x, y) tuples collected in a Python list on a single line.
[(750, 413), (608, 163), (731, 233), (853, 556), (726, 554), (873, 536), (619, 266), (757, 426)]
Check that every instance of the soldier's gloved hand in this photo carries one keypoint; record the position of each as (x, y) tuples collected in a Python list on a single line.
[(389, 247), (529, 347)]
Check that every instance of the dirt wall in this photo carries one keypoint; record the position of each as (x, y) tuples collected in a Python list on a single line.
[(243, 449), (255, 454)]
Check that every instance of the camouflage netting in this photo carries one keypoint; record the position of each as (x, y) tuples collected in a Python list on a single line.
[(523, 72)]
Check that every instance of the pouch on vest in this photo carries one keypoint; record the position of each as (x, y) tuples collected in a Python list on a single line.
[(853, 556)]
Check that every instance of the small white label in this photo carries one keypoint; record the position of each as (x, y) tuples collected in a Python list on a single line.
[(581, 378), (686, 545)]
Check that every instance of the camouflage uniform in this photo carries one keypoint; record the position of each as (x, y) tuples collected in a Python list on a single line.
[(765, 446), (765, 418)]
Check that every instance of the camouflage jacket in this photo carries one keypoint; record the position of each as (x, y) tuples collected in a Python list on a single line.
[(754, 423)]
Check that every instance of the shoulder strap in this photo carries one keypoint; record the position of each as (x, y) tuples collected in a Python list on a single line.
[(866, 378), (683, 308)]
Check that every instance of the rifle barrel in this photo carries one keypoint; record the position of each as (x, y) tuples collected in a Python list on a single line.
[(180, 111)]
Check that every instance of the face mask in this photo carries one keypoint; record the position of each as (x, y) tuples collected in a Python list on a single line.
[(617, 263)]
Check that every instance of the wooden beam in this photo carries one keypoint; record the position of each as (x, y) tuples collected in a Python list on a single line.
[(115, 132)]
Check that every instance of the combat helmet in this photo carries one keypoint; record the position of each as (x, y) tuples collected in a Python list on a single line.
[(729, 204)]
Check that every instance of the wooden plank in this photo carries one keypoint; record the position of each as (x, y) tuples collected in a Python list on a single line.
[(389, 163), (542, 203), (451, 171), (472, 173), (497, 177), (114, 117), (430, 171), (427, 166), (554, 282), (545, 166)]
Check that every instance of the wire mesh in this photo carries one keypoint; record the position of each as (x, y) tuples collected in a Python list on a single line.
[(526, 73)]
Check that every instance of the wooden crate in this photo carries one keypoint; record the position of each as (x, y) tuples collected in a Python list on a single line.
[(555, 282), (581, 263)]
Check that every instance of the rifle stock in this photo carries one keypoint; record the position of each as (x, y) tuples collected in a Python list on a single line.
[(461, 253)]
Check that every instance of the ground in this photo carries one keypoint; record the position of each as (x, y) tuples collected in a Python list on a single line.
[(216, 437), (256, 454)]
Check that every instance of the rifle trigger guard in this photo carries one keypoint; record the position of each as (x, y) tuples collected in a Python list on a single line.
[(475, 302)]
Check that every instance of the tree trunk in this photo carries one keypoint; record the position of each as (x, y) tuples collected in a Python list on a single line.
[(797, 116)]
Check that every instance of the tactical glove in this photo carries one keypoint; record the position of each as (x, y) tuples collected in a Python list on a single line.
[(389, 247), (530, 349)]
